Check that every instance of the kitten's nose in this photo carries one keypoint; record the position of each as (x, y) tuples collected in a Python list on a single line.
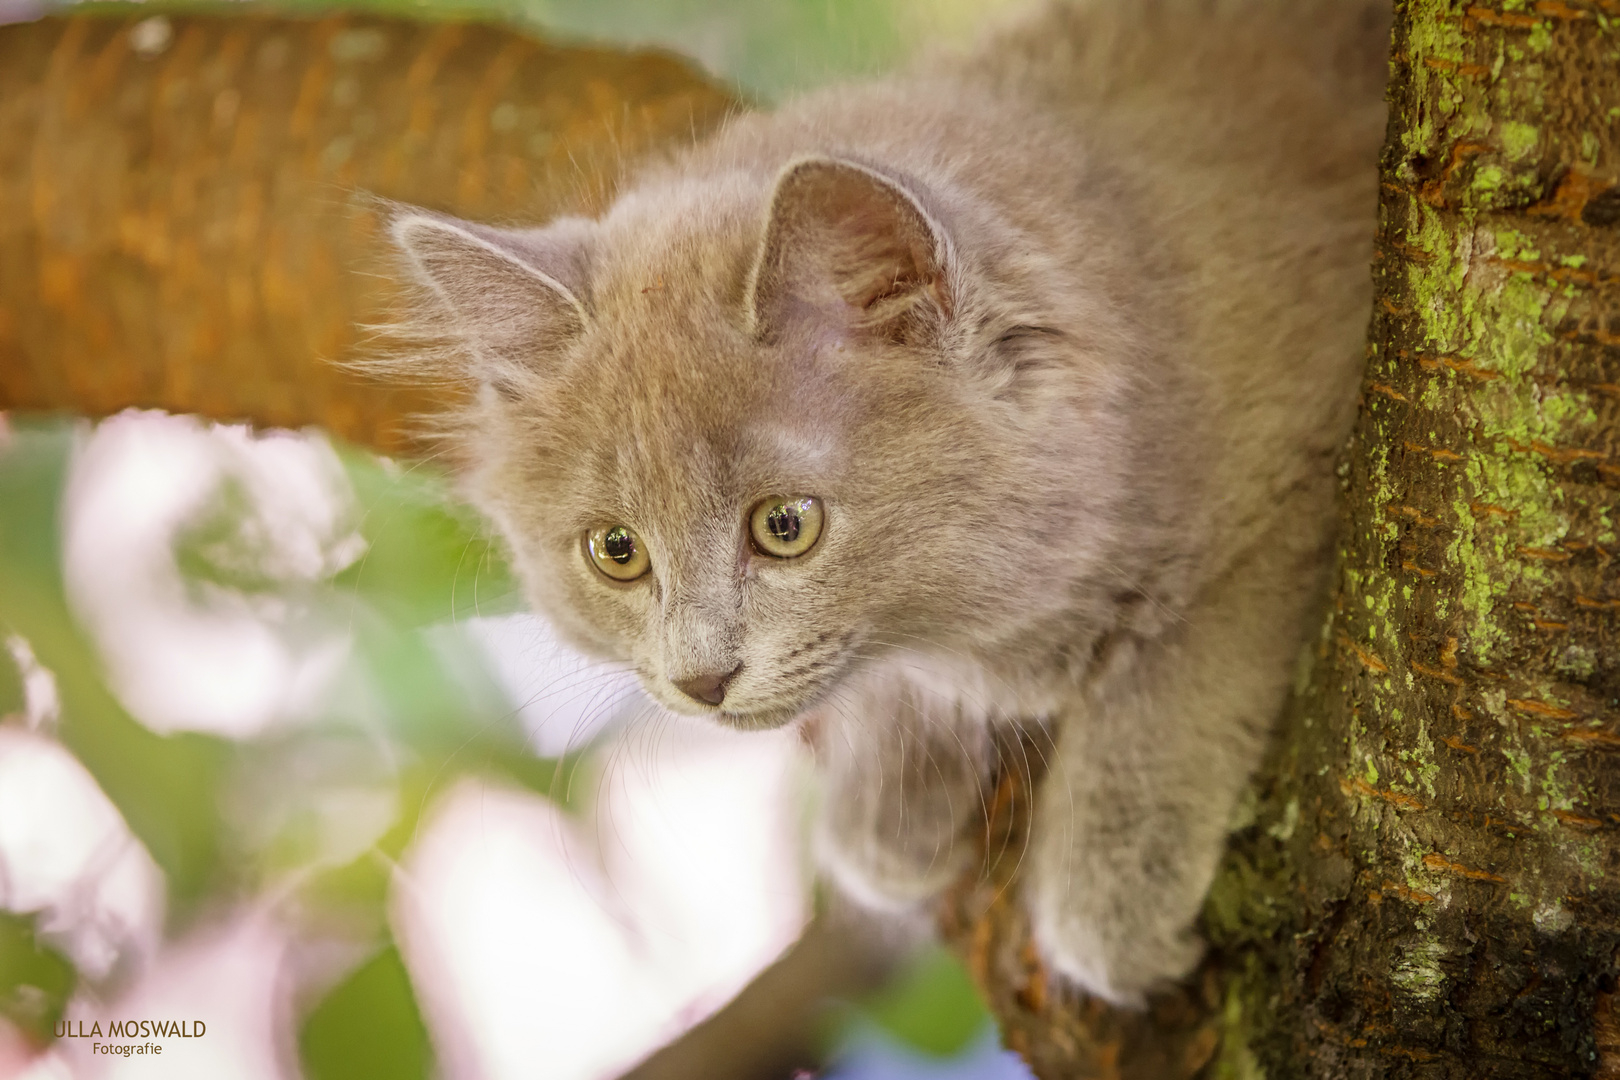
[(709, 689)]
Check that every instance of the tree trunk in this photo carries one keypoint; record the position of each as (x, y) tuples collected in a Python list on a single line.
[(1425, 885)]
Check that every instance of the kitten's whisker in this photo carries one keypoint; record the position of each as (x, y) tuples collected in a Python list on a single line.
[(602, 815), (1026, 834), (588, 721)]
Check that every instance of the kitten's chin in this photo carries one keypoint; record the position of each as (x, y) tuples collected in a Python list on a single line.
[(757, 720)]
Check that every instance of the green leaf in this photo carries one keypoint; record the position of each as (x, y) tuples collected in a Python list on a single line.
[(33, 468), (35, 980), (437, 689), (428, 558), (931, 1005), (368, 1026)]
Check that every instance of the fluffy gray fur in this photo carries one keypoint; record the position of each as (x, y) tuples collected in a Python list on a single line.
[(1064, 333)]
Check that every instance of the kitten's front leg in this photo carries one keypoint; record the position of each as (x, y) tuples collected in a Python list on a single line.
[(904, 768), (1132, 819)]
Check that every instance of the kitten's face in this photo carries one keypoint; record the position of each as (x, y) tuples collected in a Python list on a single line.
[(663, 452), (659, 448)]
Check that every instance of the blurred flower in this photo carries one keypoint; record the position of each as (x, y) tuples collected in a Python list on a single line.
[(66, 853), (541, 942), (189, 554)]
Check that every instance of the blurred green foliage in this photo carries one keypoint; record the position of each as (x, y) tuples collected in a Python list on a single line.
[(427, 559), (12, 697), (931, 1005), (35, 980), (368, 1026), (427, 564), (770, 49)]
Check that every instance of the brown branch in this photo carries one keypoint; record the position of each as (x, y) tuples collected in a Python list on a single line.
[(191, 222)]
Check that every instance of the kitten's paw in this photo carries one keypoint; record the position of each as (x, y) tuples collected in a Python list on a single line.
[(1119, 959)]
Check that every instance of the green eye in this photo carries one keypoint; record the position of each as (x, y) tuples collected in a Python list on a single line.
[(618, 553), (786, 527)]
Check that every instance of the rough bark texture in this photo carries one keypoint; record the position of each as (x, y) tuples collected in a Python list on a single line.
[(1426, 884), (1436, 853), (189, 222)]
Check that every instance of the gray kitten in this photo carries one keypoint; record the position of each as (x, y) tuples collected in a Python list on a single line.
[(1008, 390)]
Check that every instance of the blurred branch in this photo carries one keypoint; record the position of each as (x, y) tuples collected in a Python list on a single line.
[(191, 224), (773, 1027)]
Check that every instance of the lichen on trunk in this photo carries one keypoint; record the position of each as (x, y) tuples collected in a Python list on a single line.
[(1428, 886)]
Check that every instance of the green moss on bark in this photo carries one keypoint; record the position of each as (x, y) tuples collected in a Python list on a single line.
[(1435, 835)]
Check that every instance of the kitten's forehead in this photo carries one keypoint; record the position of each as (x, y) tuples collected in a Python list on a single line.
[(668, 367), (691, 462), (665, 296)]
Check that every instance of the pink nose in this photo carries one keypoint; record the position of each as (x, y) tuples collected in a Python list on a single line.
[(709, 689)]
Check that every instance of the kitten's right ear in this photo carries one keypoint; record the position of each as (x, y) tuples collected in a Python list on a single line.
[(849, 244), (515, 298)]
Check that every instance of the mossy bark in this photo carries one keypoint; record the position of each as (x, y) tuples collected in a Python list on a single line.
[(1430, 888), (1428, 883)]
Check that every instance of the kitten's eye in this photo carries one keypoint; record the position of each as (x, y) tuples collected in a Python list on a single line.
[(618, 553), (786, 527)]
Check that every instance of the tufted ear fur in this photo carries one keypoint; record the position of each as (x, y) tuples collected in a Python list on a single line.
[(851, 245), (513, 297)]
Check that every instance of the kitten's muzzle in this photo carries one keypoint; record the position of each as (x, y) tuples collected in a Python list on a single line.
[(709, 689)]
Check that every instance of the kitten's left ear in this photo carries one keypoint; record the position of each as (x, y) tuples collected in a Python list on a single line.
[(847, 243), (515, 297)]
